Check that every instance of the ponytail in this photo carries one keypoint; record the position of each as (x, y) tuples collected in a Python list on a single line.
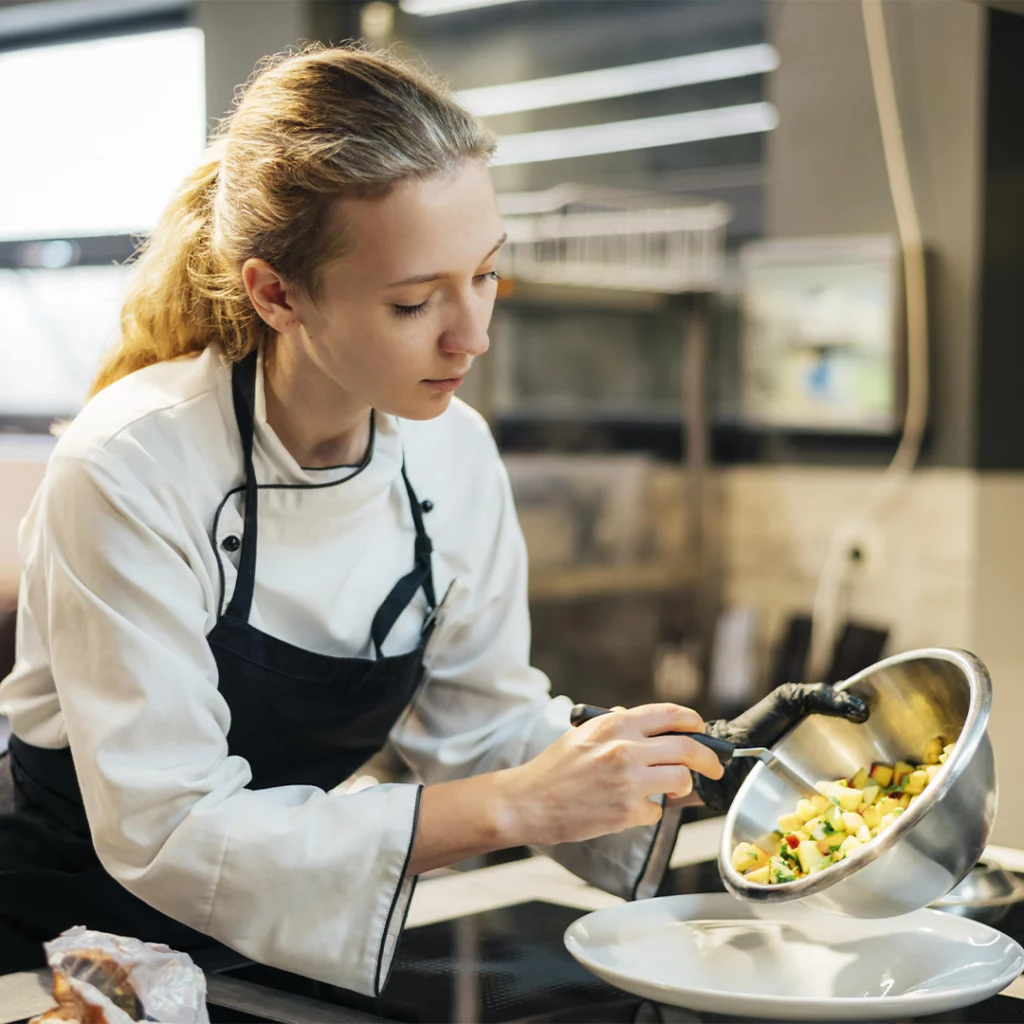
[(177, 302)]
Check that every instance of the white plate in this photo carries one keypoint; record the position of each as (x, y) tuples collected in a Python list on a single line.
[(712, 952)]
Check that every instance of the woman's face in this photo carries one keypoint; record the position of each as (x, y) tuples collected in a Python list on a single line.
[(400, 319)]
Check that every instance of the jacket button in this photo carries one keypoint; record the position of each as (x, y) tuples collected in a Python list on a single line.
[(231, 543), (427, 506)]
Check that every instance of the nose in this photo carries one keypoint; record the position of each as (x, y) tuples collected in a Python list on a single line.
[(466, 332)]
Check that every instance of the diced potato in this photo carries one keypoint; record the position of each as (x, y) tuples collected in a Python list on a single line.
[(833, 817), (811, 858), (806, 810), (916, 782), (790, 822), (748, 857), (849, 799), (779, 872), (825, 833), (889, 819), (852, 822), (851, 843), (839, 818)]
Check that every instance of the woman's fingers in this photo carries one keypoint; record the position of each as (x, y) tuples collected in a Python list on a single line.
[(652, 719), (682, 750), (671, 779)]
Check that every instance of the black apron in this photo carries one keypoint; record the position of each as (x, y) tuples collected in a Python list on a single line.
[(297, 717)]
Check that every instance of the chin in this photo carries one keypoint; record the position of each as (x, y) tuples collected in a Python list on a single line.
[(420, 408)]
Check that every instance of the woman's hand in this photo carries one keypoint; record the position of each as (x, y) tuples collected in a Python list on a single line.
[(767, 722), (596, 779)]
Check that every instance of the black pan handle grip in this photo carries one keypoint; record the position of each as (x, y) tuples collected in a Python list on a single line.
[(722, 749)]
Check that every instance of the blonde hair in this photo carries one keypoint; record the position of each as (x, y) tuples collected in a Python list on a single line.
[(309, 128)]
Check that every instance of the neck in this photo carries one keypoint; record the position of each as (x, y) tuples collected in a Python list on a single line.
[(319, 425)]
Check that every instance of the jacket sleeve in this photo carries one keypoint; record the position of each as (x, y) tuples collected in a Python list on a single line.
[(294, 877)]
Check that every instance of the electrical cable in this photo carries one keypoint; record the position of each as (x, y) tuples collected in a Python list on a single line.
[(834, 574)]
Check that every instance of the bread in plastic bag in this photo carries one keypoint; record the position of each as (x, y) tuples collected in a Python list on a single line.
[(110, 979)]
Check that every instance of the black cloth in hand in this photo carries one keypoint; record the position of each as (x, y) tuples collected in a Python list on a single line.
[(765, 724)]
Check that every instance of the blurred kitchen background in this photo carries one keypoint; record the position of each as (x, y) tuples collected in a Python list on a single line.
[(699, 365)]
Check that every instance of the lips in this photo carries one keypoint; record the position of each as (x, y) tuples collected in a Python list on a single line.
[(446, 384), (460, 375)]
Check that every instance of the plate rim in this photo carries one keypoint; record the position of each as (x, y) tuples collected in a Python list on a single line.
[(766, 1002)]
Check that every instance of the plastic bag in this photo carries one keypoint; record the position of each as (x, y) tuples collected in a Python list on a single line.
[(109, 979)]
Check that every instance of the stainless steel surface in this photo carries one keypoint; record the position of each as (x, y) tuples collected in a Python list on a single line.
[(777, 762), (284, 1007), (913, 697), (779, 765), (25, 994), (986, 894)]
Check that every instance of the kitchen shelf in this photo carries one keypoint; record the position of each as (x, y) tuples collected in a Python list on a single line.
[(607, 580), (513, 291)]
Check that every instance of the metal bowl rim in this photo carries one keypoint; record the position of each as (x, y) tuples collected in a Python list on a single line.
[(971, 735), (993, 901)]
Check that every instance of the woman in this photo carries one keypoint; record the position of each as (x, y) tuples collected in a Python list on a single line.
[(236, 569)]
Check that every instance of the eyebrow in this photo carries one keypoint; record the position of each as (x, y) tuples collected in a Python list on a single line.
[(424, 278)]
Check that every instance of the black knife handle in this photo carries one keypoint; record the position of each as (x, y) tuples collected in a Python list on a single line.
[(722, 749)]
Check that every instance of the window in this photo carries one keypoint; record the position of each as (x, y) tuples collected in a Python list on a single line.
[(103, 132), (55, 325)]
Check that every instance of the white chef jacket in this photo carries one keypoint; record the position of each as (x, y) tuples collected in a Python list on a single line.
[(125, 574)]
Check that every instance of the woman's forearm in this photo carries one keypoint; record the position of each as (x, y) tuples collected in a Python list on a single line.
[(465, 818), (590, 782)]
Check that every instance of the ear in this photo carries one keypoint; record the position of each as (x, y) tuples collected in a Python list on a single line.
[(270, 294)]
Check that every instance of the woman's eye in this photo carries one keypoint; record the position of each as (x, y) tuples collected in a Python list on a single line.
[(491, 275), (412, 310)]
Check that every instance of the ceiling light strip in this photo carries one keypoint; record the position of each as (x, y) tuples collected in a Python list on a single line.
[(644, 133), (627, 80), (429, 8)]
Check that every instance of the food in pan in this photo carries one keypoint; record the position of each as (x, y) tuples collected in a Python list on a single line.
[(843, 816)]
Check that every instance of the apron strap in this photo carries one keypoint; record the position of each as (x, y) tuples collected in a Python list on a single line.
[(405, 589), (243, 393)]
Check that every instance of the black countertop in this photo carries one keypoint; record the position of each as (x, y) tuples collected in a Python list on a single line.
[(510, 964)]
